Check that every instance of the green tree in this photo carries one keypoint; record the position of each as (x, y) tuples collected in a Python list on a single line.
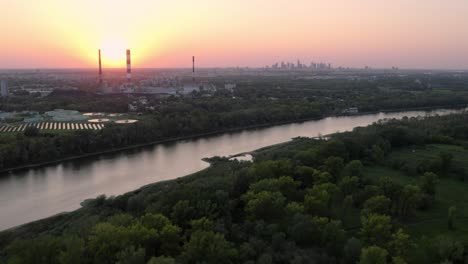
[(155, 221), (409, 200), (303, 230), (284, 184), (352, 250), (264, 205), (305, 175), (398, 260), (373, 255), (428, 182), (273, 168), (354, 168), (348, 204), (317, 204), (319, 199), (334, 165), (131, 255), (106, 240), (393, 191), (121, 220), (322, 177), (202, 224), (208, 247), (333, 147), (376, 229), (167, 239), (40, 250), (377, 154), (349, 185), (136, 204), (161, 260), (400, 245), (307, 157), (377, 205), (73, 252), (182, 212), (294, 208), (332, 237)]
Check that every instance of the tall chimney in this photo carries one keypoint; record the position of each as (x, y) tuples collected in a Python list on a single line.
[(100, 68), (129, 67), (193, 68)]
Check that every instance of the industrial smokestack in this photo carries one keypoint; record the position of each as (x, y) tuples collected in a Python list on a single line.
[(129, 67), (100, 68), (193, 68)]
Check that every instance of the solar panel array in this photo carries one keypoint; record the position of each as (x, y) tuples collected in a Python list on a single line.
[(51, 126)]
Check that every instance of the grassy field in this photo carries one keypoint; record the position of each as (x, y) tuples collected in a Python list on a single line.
[(421, 154), (430, 151), (450, 192), (424, 226)]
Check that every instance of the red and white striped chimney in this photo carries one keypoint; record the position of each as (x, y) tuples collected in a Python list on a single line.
[(100, 68), (129, 67)]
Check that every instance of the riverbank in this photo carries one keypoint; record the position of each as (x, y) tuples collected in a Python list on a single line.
[(170, 140), (55, 189), (214, 194), (5, 172)]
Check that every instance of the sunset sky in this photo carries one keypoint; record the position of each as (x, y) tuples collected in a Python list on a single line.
[(354, 33)]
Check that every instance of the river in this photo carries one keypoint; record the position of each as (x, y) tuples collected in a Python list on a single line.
[(37, 193)]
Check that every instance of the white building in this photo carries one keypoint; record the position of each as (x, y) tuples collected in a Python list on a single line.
[(230, 86), (4, 88), (351, 110)]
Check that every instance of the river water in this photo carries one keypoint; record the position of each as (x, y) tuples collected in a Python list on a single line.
[(38, 193)]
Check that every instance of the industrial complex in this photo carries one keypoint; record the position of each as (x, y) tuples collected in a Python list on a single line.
[(59, 119)]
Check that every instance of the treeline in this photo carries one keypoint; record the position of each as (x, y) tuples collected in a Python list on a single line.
[(303, 202), (255, 101), (66, 99), (368, 91), (21, 149)]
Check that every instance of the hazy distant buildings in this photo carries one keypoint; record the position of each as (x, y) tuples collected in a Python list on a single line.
[(300, 66), (4, 88)]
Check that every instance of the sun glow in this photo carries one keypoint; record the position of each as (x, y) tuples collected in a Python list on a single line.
[(113, 52), (160, 33)]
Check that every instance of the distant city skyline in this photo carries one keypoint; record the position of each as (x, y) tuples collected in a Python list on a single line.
[(430, 34)]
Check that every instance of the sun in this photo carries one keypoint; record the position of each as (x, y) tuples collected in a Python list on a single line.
[(113, 52)]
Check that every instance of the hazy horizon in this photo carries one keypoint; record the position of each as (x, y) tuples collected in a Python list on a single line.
[(165, 34), (189, 68)]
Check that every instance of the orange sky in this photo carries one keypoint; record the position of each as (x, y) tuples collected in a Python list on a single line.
[(379, 33)]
